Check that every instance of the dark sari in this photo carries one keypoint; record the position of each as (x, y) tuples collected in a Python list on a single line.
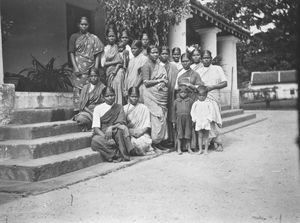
[(120, 144), (88, 100)]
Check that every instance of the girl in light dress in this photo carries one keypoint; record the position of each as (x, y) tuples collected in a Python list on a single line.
[(201, 113)]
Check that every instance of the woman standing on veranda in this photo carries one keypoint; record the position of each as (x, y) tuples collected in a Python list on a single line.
[(138, 123), (84, 49), (145, 42), (133, 77), (214, 79), (110, 60), (155, 95)]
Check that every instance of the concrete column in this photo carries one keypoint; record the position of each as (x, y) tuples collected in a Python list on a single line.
[(177, 35), (209, 39), (227, 51), (1, 54)]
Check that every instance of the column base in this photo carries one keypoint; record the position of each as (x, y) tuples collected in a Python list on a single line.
[(7, 101)]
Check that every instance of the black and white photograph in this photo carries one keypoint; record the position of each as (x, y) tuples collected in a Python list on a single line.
[(149, 111)]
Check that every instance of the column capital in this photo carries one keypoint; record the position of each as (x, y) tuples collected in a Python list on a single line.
[(213, 30), (228, 38)]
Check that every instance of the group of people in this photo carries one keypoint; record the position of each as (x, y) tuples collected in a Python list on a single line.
[(145, 102)]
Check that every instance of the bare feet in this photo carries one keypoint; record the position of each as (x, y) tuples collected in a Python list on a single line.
[(179, 152), (200, 152), (205, 153)]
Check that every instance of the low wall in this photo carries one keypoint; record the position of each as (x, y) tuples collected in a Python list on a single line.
[(27, 100)]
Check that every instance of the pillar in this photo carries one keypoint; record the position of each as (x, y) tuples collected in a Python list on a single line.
[(209, 39), (7, 91), (177, 35), (227, 51)]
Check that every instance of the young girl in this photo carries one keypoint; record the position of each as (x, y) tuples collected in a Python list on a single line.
[(176, 53), (182, 121), (201, 114)]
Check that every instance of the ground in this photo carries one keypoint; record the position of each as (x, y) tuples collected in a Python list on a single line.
[(255, 179)]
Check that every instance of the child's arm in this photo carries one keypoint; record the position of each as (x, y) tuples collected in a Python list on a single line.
[(193, 112), (175, 115)]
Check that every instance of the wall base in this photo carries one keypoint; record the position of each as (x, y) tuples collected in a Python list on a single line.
[(7, 97)]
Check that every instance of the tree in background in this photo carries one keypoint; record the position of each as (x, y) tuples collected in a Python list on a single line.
[(155, 16), (274, 49)]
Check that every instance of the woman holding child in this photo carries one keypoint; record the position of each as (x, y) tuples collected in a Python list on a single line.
[(155, 95), (214, 79)]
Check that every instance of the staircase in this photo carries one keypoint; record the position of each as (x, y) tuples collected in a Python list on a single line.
[(43, 143)]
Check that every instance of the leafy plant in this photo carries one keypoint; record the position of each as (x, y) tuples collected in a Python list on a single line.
[(45, 78), (155, 16)]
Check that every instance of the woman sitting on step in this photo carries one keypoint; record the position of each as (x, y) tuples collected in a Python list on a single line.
[(139, 123), (90, 97), (111, 136)]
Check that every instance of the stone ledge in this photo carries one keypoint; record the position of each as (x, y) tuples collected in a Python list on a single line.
[(7, 97)]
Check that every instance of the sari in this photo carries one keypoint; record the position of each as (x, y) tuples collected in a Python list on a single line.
[(88, 99), (188, 77), (213, 75), (156, 99), (172, 73), (116, 81), (138, 117), (120, 144), (85, 47), (133, 73)]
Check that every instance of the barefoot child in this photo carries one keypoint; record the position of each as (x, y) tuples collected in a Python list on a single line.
[(201, 114), (182, 121)]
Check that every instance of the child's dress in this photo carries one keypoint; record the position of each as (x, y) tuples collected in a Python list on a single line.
[(182, 117), (201, 114)]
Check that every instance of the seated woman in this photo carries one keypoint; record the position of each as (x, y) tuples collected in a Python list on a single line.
[(111, 136), (90, 97), (138, 122)]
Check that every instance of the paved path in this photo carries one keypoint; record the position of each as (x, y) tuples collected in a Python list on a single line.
[(256, 179)]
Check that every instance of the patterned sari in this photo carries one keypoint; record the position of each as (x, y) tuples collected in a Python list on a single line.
[(86, 47), (88, 99), (156, 99), (116, 81)]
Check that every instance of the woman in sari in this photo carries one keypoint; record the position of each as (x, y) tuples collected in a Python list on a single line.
[(196, 59), (84, 49), (110, 60), (138, 122), (111, 136), (188, 77), (172, 72), (214, 78), (90, 97), (133, 76), (155, 95)]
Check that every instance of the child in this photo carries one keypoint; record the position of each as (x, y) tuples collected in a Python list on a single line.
[(182, 121), (176, 53), (201, 114)]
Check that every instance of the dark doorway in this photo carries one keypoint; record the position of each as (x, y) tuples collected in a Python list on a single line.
[(73, 15)]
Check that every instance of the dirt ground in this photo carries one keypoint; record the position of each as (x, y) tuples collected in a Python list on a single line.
[(256, 179)]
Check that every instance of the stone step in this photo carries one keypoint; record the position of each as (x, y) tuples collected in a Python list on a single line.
[(237, 119), (27, 116), (38, 130), (48, 167), (42, 147), (231, 112)]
